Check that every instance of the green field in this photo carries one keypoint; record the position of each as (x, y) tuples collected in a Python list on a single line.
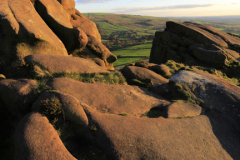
[(132, 54)]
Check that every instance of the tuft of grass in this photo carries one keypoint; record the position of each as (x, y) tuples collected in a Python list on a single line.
[(104, 77), (174, 66), (139, 83), (179, 93), (232, 72), (124, 114), (52, 109)]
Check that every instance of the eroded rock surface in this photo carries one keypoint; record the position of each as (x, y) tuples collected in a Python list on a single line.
[(160, 138), (23, 32), (36, 139), (190, 43), (115, 99), (210, 91), (49, 28), (143, 74), (63, 118), (57, 64)]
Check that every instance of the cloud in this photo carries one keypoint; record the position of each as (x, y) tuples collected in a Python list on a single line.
[(93, 1), (187, 6)]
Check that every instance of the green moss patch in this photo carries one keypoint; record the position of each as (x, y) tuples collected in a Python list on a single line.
[(174, 66), (155, 113), (178, 92)]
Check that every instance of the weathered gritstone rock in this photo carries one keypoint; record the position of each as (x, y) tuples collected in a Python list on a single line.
[(68, 5), (57, 64), (210, 91), (199, 35), (57, 18), (97, 48), (183, 110), (115, 99), (17, 94), (194, 44), (200, 137), (223, 35), (161, 69), (23, 32), (88, 26), (143, 74), (35, 139)]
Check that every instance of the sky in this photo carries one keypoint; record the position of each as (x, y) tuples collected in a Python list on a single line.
[(161, 8)]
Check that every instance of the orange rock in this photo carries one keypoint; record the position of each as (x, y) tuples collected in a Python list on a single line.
[(23, 32), (35, 139), (88, 26), (57, 18)]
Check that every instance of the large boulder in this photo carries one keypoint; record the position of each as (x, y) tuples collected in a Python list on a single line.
[(200, 137), (114, 99), (194, 44), (183, 110), (143, 74), (50, 64), (23, 32), (208, 90), (35, 138), (199, 35)]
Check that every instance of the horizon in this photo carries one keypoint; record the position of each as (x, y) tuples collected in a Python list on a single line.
[(163, 17), (156, 8)]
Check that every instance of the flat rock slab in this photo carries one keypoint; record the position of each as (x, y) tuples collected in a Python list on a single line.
[(113, 99), (35, 139), (128, 137), (183, 110), (143, 74), (210, 91), (56, 64)]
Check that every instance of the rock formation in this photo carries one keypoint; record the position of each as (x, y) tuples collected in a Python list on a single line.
[(58, 99), (47, 27), (193, 44)]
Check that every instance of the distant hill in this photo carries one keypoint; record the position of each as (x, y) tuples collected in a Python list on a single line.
[(110, 24), (116, 23)]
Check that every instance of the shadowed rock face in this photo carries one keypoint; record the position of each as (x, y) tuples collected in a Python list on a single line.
[(192, 43)]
